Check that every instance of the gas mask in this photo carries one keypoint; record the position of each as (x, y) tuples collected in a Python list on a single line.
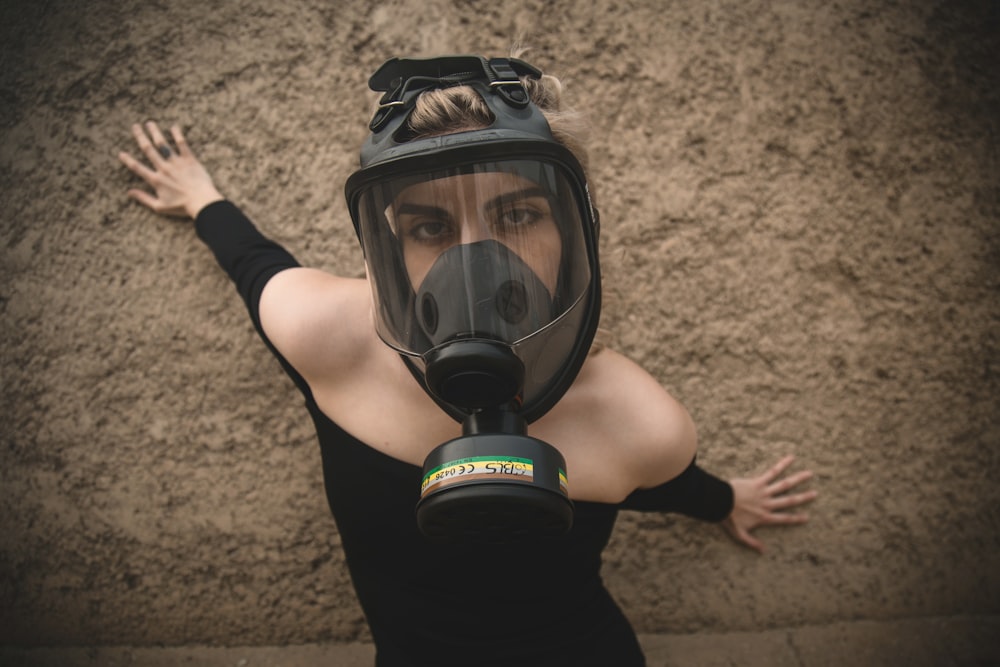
[(481, 253)]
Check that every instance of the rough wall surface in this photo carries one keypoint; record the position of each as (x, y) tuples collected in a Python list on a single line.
[(800, 205)]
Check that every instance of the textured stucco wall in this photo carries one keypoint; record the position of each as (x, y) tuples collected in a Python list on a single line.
[(800, 240)]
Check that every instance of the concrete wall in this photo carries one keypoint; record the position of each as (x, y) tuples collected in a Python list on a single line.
[(800, 240)]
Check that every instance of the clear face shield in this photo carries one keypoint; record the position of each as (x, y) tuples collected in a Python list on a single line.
[(492, 251)]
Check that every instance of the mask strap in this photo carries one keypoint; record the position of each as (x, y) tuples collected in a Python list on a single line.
[(403, 79)]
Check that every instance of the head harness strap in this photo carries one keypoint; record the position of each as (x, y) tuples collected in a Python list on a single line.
[(403, 79)]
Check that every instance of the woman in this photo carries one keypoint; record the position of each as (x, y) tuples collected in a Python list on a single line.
[(503, 211)]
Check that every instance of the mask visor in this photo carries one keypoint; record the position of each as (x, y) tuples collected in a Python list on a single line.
[(490, 251)]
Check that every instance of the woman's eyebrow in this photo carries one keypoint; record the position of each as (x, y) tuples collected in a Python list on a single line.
[(505, 199), (515, 196), (407, 208)]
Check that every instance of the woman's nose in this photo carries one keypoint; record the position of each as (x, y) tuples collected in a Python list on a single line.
[(472, 232)]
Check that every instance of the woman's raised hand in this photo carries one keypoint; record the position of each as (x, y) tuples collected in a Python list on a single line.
[(181, 184), (759, 501)]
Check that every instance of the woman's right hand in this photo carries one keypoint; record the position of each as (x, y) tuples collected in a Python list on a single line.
[(181, 184)]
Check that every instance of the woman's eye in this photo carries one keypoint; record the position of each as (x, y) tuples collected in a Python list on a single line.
[(429, 231), (519, 216)]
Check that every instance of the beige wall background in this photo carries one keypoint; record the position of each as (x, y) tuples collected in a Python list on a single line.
[(800, 240)]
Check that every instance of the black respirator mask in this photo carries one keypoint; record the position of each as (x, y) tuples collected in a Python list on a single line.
[(481, 252)]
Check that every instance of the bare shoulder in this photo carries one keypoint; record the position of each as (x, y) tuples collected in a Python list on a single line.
[(619, 407), (319, 322), (661, 435)]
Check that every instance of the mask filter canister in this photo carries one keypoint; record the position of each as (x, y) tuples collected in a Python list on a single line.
[(494, 484)]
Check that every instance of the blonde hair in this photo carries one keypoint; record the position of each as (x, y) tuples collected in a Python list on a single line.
[(461, 108)]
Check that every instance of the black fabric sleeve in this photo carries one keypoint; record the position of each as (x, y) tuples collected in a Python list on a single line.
[(249, 258), (695, 493)]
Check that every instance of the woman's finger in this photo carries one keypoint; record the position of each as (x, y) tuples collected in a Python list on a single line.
[(146, 146), (137, 168), (789, 482), (791, 500), (144, 198), (159, 141), (785, 518), (182, 144), (749, 540), (775, 471)]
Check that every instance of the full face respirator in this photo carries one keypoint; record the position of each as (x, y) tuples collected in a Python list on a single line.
[(481, 252)]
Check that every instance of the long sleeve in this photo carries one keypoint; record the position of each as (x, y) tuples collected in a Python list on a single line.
[(695, 493), (249, 258)]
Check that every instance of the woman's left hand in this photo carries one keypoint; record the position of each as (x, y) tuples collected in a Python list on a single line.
[(758, 501)]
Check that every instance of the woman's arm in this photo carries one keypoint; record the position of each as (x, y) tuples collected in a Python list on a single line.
[(182, 187), (662, 443), (295, 310), (741, 505)]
